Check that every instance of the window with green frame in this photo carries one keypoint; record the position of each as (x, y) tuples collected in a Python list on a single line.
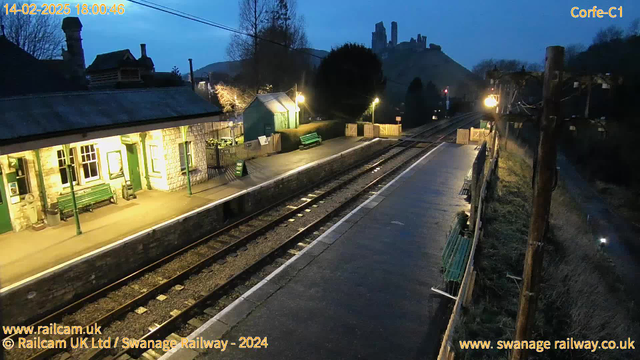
[(155, 156)]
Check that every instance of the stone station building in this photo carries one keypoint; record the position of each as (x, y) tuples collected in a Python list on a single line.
[(113, 137)]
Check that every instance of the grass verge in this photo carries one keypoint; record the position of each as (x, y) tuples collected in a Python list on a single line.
[(581, 296)]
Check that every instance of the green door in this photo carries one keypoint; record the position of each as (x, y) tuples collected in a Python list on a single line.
[(134, 167), (5, 219)]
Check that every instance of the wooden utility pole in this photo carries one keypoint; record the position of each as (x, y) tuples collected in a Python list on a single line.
[(544, 177)]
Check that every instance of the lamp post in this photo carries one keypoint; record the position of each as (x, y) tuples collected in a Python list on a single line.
[(233, 133), (373, 112), (299, 98), (183, 130), (70, 171), (231, 124)]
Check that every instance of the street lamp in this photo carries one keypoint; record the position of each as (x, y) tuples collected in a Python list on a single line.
[(373, 113), (299, 99), (491, 101)]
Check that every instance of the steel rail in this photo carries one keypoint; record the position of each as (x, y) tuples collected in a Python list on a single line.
[(167, 327), (230, 248)]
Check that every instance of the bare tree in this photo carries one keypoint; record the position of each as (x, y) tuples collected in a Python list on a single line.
[(282, 48), (232, 98), (254, 15), (274, 31), (505, 65), (634, 28), (608, 34), (39, 35), (571, 52)]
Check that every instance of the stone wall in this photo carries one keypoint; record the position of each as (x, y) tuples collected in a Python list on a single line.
[(172, 140), (57, 288)]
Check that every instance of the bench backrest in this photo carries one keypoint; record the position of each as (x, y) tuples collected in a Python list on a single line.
[(309, 137), (86, 196)]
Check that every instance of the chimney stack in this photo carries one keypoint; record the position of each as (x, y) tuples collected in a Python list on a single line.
[(143, 50), (75, 55), (394, 33)]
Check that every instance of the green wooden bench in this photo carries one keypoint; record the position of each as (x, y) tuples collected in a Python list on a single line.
[(310, 140), (85, 199), (454, 269), (456, 251), (459, 222)]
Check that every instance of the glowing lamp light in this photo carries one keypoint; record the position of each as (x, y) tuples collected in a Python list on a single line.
[(446, 91), (603, 241), (490, 102), (376, 100), (300, 98)]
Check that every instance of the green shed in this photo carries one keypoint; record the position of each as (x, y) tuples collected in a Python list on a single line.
[(268, 113)]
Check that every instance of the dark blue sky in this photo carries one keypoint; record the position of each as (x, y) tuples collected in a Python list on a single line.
[(467, 30)]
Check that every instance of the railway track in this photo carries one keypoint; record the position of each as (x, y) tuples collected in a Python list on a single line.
[(169, 295)]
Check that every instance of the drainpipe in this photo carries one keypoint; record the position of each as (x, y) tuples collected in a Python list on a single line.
[(143, 138), (43, 191), (193, 81), (73, 194), (186, 157)]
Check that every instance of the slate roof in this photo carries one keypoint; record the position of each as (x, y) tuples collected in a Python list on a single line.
[(47, 116), (277, 102), (112, 60), (22, 74)]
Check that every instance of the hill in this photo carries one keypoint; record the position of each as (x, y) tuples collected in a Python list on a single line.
[(232, 68), (430, 65)]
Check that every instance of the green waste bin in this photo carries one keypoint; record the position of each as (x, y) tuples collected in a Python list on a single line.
[(53, 216)]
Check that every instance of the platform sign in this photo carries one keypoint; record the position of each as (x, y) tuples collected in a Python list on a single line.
[(398, 119), (241, 169), (127, 140)]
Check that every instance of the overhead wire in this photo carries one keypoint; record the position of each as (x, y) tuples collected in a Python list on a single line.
[(204, 21)]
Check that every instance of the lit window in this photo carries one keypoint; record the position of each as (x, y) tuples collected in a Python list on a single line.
[(62, 165), (114, 163), (89, 162), (189, 154), (22, 178), (154, 154)]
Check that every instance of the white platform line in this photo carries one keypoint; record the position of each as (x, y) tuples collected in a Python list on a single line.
[(243, 297)]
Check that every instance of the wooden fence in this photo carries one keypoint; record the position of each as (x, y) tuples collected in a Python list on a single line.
[(462, 136), (228, 156), (220, 129), (351, 130), (390, 129), (478, 135), (466, 286), (378, 130)]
